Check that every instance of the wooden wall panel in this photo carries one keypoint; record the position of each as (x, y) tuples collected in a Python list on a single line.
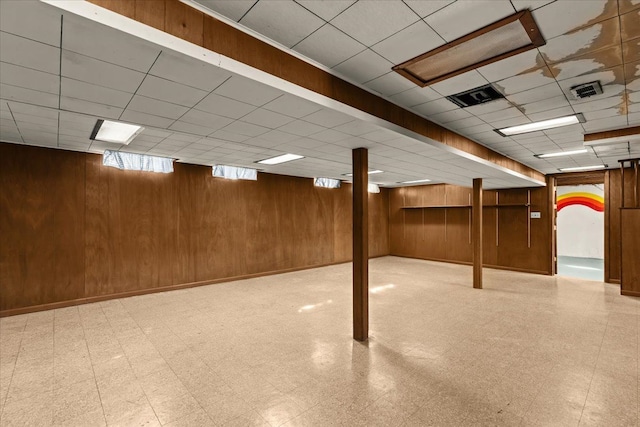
[(75, 230), (630, 249), (42, 226), (613, 202), (447, 231)]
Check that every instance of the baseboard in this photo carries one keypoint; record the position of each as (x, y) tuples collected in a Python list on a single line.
[(614, 281), (630, 293), (494, 267)]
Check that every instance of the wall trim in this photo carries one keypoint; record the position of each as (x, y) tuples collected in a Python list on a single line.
[(493, 267), (99, 298), (630, 293)]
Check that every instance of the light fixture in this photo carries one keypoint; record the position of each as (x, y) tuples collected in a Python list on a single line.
[(542, 125), (115, 132), (326, 182), (416, 181), (561, 153), (373, 172), (507, 37), (373, 188), (582, 168), (137, 162), (234, 172), (280, 159)]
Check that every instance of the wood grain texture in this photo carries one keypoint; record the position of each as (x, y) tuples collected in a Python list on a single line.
[(506, 241), (360, 244), (151, 12), (630, 250), (191, 25), (75, 230), (477, 233), (613, 203)]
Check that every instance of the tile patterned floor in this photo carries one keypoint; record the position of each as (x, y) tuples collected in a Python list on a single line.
[(527, 350)]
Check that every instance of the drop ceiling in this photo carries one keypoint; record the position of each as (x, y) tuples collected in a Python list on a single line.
[(585, 41), (61, 72)]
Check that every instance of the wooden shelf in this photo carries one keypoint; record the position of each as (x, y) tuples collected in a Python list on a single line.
[(506, 205)]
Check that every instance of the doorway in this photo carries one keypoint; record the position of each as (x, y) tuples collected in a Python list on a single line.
[(580, 231)]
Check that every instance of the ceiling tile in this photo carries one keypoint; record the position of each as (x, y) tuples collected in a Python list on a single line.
[(267, 118), (588, 63), (292, 106), (463, 124), (607, 78), (329, 46), (204, 119), (328, 118), (521, 63), (526, 81), (100, 73), (146, 119), (231, 9), (86, 107), (246, 129), (605, 124), (301, 128), (181, 126), (489, 107), (434, 107), (247, 91), (229, 136), (330, 135), (460, 83), (356, 128), (189, 71), (589, 39), (426, 8), (154, 107), (372, 21), (223, 106), (560, 17), (408, 43), (326, 10), (283, 21), (99, 94), (28, 78), (551, 114), (415, 96), (390, 84), (277, 137), (466, 16), (15, 93), (545, 104), (43, 24), (166, 90), (107, 44), (537, 94), (449, 116), (503, 114), (364, 66), (28, 53), (530, 4)]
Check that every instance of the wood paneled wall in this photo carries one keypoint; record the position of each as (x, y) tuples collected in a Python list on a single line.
[(511, 240), (189, 24), (74, 230)]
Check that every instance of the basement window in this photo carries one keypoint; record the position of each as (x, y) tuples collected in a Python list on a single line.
[(326, 182), (235, 172), (137, 162)]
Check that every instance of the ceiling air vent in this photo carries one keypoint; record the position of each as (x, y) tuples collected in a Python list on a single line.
[(586, 90), (476, 96)]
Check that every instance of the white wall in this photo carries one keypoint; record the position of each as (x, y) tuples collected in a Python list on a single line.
[(581, 229)]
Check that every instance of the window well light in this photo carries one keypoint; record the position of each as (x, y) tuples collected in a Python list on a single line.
[(373, 188), (326, 182), (416, 181), (137, 162), (280, 159), (542, 125), (561, 153), (582, 168), (235, 172), (373, 172), (115, 132)]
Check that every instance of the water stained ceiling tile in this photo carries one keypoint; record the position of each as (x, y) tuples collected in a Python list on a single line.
[(588, 39), (562, 17)]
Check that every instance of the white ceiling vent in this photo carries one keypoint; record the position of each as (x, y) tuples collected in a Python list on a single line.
[(586, 90)]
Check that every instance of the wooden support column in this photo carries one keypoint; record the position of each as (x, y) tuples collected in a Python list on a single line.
[(477, 233), (360, 244)]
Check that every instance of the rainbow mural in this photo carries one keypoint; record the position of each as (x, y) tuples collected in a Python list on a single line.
[(590, 200)]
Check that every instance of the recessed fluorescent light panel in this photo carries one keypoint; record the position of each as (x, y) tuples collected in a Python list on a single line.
[(280, 159), (373, 172), (137, 162), (234, 172), (542, 125), (416, 181), (115, 132), (373, 188), (561, 153), (326, 182), (582, 168), (510, 36)]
